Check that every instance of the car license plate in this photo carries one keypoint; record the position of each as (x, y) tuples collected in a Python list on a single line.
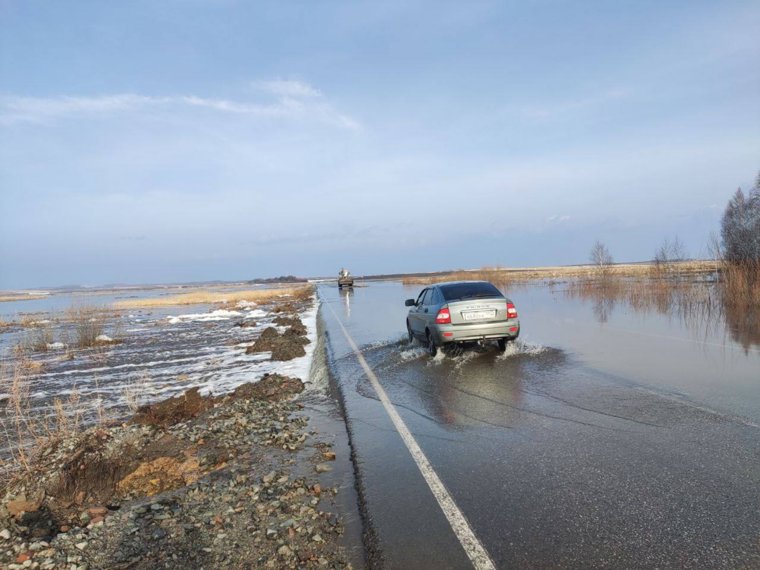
[(478, 315)]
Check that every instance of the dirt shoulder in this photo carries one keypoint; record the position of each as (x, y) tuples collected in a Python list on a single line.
[(228, 482)]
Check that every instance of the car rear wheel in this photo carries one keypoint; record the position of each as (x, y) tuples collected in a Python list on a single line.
[(431, 347), (502, 342)]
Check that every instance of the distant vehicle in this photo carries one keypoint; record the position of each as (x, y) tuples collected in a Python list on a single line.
[(457, 312), (345, 279)]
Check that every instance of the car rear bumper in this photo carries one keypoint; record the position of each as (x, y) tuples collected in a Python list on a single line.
[(476, 331)]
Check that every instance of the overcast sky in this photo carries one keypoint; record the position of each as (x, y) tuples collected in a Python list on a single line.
[(164, 141)]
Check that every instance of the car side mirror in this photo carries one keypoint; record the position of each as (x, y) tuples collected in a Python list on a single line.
[(409, 303)]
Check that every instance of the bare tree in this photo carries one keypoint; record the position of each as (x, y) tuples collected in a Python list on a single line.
[(740, 227), (600, 257), (669, 252)]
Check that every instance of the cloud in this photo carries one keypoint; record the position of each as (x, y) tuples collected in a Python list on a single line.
[(288, 88), (558, 219), (294, 100), (561, 108)]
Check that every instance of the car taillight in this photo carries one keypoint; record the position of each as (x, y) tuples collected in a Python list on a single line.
[(511, 311), (443, 317)]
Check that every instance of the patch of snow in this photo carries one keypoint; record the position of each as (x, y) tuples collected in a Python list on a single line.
[(56, 346), (245, 304), (256, 314), (103, 338), (218, 315)]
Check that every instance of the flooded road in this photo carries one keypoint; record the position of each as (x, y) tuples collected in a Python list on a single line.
[(601, 439)]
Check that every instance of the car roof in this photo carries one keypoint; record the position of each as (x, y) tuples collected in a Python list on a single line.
[(458, 282)]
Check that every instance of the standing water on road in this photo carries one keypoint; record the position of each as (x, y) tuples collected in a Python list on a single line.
[(693, 359)]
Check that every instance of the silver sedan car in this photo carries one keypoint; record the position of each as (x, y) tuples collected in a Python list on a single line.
[(461, 311)]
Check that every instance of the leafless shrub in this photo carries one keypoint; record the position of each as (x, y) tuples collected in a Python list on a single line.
[(35, 339), (89, 324), (715, 250)]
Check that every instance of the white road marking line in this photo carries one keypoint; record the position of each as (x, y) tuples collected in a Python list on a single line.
[(478, 555)]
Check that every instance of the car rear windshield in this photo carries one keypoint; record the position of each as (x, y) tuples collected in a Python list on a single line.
[(469, 291)]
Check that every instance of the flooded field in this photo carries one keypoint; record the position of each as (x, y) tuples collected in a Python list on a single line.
[(137, 356), (678, 338)]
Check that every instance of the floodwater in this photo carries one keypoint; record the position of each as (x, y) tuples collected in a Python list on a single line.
[(697, 359), (620, 438), (160, 353)]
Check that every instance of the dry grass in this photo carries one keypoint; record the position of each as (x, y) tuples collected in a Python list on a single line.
[(20, 297), (506, 275), (740, 286), (741, 283), (25, 428), (4, 324), (136, 391), (205, 297)]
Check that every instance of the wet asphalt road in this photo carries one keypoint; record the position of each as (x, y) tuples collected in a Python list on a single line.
[(554, 463)]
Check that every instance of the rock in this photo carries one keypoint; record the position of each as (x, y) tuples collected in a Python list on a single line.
[(5, 534), (317, 538), (18, 506), (329, 455), (271, 533), (322, 468), (284, 551), (161, 474), (97, 511), (81, 545)]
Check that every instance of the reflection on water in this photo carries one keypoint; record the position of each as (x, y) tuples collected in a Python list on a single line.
[(345, 295), (705, 308)]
